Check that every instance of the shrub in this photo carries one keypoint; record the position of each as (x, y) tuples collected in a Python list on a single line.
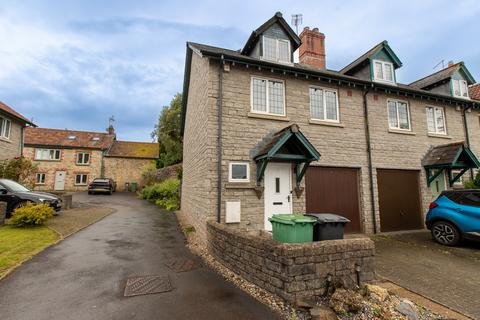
[(20, 169), (31, 215), (473, 184), (165, 194)]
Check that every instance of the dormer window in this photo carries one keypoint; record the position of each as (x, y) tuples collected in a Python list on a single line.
[(275, 49), (383, 71), (460, 88)]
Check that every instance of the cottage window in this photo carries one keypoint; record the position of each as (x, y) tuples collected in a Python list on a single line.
[(47, 154), (5, 128), (276, 49), (83, 158), (383, 71), (239, 172), (40, 178), (460, 88), (398, 115), (268, 96), (81, 179), (323, 104), (436, 120)]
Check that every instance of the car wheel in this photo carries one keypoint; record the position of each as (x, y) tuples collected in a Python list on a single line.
[(89, 192), (110, 192), (445, 233)]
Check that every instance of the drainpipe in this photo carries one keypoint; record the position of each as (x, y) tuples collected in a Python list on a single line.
[(219, 139), (467, 135), (369, 155)]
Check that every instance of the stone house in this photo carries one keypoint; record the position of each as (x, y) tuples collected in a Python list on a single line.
[(12, 126), (264, 135), (474, 91), (70, 160)]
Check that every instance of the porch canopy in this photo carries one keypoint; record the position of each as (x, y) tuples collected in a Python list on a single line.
[(448, 157), (286, 145)]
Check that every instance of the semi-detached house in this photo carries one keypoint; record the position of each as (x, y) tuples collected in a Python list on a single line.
[(12, 127), (264, 135)]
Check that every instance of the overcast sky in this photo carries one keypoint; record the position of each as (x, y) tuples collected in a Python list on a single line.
[(73, 64)]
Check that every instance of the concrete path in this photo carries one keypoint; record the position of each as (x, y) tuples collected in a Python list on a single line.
[(450, 276), (84, 276)]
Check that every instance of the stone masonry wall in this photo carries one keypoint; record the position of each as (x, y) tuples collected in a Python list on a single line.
[(12, 148), (291, 271), (124, 170)]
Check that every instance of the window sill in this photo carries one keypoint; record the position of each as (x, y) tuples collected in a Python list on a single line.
[(238, 185), (268, 116), (82, 164), (327, 123), (436, 135), (402, 132), (47, 160), (5, 140)]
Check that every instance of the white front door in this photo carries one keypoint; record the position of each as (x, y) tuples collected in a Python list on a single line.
[(60, 180), (278, 191)]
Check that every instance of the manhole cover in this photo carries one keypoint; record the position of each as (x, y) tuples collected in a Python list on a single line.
[(147, 285), (183, 265)]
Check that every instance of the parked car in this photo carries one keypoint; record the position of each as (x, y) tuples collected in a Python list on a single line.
[(16, 195), (454, 216), (102, 185)]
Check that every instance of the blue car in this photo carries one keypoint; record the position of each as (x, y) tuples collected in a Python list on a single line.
[(454, 216)]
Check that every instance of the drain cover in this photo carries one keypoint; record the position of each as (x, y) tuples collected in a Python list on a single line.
[(182, 265), (147, 285)]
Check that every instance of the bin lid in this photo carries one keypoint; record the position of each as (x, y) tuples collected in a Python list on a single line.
[(328, 218), (291, 218)]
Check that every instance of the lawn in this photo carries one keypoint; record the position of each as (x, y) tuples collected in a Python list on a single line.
[(20, 244)]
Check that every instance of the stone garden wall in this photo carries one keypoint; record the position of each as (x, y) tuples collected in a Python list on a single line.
[(3, 212), (291, 271)]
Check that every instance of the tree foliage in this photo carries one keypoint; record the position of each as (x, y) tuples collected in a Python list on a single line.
[(20, 169), (167, 132), (473, 184)]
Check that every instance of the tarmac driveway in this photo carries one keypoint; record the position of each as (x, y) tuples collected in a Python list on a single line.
[(84, 276), (450, 276)]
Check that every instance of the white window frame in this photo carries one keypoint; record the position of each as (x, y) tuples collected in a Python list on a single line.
[(460, 89), (277, 52), (324, 104), (54, 152), (398, 118), (3, 128), (82, 154), (435, 122), (230, 172), (40, 174), (81, 183), (383, 63), (267, 106)]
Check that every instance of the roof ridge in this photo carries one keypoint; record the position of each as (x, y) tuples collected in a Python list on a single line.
[(432, 74), (69, 130), (363, 54)]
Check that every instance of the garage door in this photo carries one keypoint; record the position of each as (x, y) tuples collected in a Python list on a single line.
[(399, 200), (334, 190)]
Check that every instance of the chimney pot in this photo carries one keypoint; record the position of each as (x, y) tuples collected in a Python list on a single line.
[(312, 49), (450, 63)]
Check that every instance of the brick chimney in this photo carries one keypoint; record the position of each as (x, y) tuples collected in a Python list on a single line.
[(312, 49), (111, 130)]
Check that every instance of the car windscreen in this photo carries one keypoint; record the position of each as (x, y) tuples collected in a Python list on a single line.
[(13, 186), (100, 181)]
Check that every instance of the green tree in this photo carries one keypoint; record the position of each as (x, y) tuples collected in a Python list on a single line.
[(167, 133), (20, 169)]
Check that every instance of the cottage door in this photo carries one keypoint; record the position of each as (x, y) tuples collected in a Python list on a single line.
[(60, 180), (278, 191)]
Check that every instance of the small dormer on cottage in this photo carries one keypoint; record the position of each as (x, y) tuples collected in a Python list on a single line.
[(377, 64), (452, 81), (273, 41)]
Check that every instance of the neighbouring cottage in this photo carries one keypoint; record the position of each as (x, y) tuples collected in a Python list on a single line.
[(474, 91), (12, 126), (264, 135), (70, 159)]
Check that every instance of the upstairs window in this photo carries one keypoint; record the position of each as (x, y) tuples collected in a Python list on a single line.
[(323, 104), (276, 49), (383, 71), (268, 96), (47, 154), (436, 120), (398, 115), (5, 128), (83, 158), (460, 88)]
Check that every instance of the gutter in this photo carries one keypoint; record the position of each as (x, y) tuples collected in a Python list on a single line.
[(366, 90), (467, 135), (219, 139)]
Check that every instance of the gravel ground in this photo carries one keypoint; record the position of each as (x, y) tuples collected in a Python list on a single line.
[(70, 221)]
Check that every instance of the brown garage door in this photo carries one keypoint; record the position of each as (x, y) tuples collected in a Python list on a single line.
[(334, 190), (399, 200)]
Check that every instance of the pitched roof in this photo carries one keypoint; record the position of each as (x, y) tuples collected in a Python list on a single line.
[(277, 18), (60, 138), (15, 114), (131, 149), (450, 155), (474, 91), (442, 75), (370, 53)]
